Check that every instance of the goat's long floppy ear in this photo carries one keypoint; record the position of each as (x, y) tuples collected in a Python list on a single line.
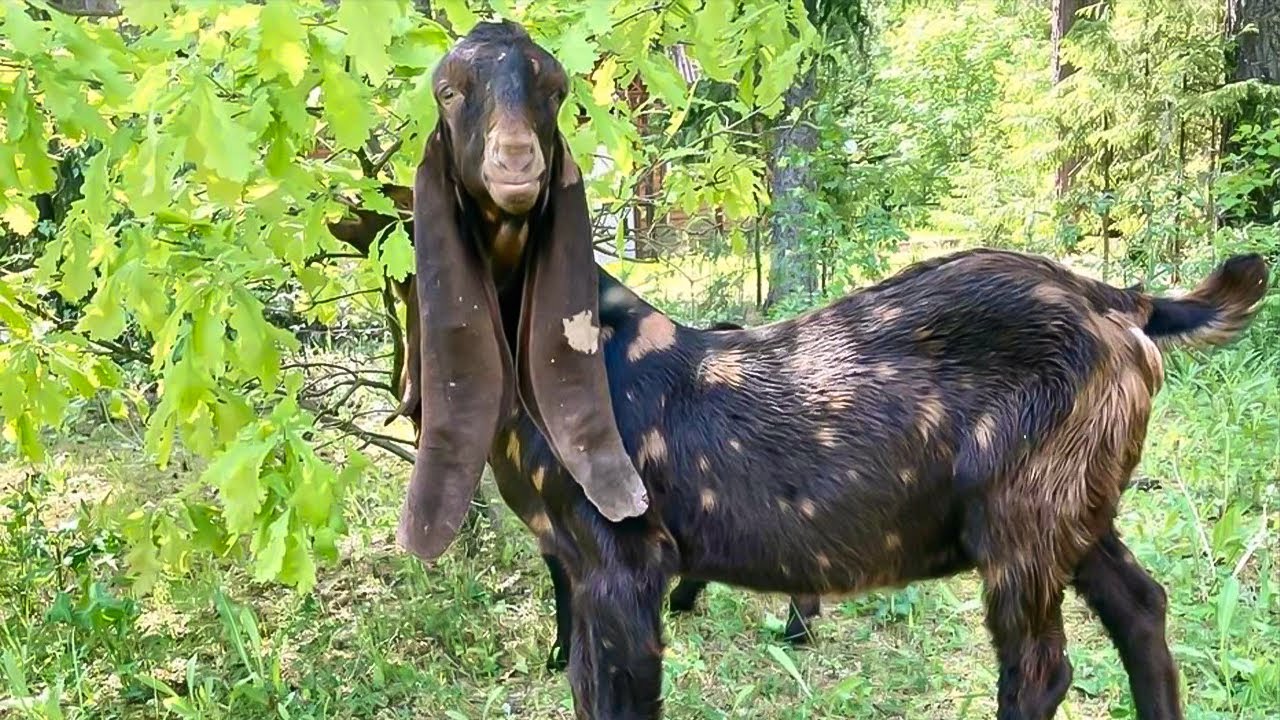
[(465, 368), (562, 374)]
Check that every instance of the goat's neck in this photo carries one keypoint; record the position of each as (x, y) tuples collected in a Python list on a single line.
[(507, 237)]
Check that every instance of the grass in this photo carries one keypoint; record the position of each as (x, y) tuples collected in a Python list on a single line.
[(384, 637)]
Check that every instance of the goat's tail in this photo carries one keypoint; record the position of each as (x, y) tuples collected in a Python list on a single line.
[(1216, 311)]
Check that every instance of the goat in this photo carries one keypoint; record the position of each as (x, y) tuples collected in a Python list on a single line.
[(983, 410)]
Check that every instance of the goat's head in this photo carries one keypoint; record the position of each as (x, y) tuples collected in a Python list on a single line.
[(499, 94), (498, 200)]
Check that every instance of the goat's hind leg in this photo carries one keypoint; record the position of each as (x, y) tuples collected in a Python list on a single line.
[(801, 610), (685, 595), (1132, 606), (1025, 620)]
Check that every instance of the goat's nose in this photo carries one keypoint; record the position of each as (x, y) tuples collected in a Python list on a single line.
[(515, 155)]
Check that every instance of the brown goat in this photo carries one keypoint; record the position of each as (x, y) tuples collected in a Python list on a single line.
[(984, 410)]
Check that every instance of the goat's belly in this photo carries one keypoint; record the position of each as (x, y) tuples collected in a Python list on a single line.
[(848, 564), (845, 545)]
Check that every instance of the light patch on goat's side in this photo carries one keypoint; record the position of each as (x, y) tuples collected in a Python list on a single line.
[(783, 504), (984, 432), (886, 314), (824, 562), (606, 334), (654, 332), (808, 508), (582, 334), (892, 541), (907, 476), (538, 476), (885, 371), (931, 416), (708, 499), (513, 449), (653, 448), (540, 524), (704, 465), (722, 369), (735, 445), (1152, 355), (1051, 294), (826, 437)]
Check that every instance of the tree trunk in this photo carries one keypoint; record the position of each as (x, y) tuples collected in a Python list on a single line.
[(1064, 16), (1254, 25), (793, 269)]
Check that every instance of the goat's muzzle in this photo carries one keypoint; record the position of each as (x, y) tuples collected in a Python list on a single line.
[(514, 168)]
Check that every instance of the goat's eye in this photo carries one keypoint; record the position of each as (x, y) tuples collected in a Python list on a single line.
[(448, 94)]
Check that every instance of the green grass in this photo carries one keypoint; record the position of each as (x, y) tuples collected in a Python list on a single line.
[(384, 637)]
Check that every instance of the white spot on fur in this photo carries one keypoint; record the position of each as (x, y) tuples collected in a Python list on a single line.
[(538, 476), (581, 333), (513, 449), (653, 448), (540, 524), (654, 332), (708, 499)]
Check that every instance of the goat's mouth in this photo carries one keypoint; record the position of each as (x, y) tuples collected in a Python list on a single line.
[(513, 194)]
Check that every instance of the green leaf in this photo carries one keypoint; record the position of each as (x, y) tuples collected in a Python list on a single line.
[(396, 253), (104, 317), (283, 48), (269, 548), (780, 656), (577, 53), (26, 131), (299, 569), (255, 344), (460, 17), (226, 147), (421, 47), (148, 172), (143, 560), (369, 26), (346, 107), (147, 13), (26, 35), (235, 474)]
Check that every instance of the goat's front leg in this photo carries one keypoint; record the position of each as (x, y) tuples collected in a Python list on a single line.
[(615, 660), (562, 586)]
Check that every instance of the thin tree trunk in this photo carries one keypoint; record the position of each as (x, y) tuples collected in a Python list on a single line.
[(1064, 17), (1254, 25), (793, 270)]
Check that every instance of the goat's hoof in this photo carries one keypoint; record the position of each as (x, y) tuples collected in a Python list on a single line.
[(797, 637), (557, 659)]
